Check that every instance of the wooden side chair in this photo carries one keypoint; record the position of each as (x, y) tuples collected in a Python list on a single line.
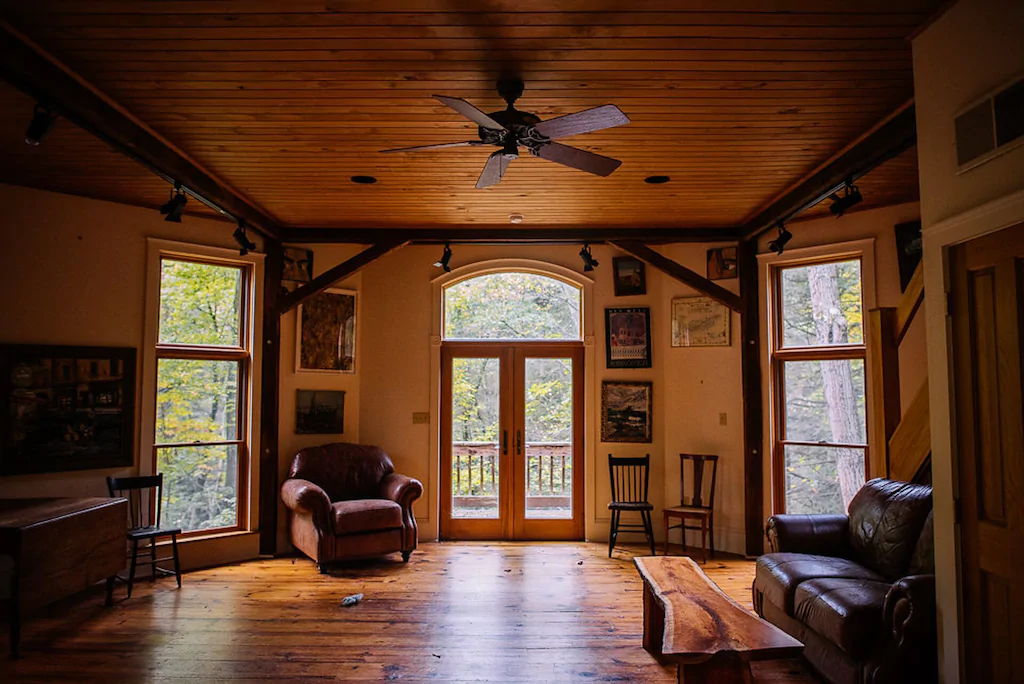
[(143, 525), (699, 504), (630, 477)]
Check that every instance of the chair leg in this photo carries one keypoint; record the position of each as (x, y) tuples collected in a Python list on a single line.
[(666, 533), (649, 529), (613, 531), (704, 540), (177, 564), (152, 559), (131, 570), (711, 533)]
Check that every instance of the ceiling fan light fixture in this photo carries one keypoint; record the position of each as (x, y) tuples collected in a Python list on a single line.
[(589, 262), (445, 260), (778, 245), (657, 180)]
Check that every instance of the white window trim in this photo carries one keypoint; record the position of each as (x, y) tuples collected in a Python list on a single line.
[(155, 250)]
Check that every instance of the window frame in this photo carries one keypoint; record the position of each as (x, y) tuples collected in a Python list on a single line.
[(779, 355), (246, 355)]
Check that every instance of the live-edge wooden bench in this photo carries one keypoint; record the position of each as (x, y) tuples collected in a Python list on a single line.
[(692, 622)]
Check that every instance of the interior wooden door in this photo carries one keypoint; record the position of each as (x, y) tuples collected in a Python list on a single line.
[(988, 311)]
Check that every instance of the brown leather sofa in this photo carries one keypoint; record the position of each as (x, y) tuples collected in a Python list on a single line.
[(857, 590), (346, 502)]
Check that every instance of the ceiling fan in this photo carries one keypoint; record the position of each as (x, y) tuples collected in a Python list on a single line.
[(511, 128)]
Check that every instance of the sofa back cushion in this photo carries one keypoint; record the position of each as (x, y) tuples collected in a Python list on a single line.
[(923, 560), (886, 518), (345, 471)]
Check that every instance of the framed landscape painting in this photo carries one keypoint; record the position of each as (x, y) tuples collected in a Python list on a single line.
[(319, 412), (626, 410), (630, 276), (628, 337), (326, 333), (700, 322)]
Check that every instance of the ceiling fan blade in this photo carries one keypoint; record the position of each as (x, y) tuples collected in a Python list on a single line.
[(605, 116), (578, 159), (470, 112), (438, 146), (493, 171)]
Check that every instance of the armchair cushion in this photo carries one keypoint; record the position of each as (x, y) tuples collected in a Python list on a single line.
[(779, 574), (366, 515), (847, 612)]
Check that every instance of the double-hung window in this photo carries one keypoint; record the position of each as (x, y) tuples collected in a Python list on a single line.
[(203, 370), (818, 356)]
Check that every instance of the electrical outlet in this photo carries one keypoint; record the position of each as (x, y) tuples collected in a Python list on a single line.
[(421, 418), (723, 418)]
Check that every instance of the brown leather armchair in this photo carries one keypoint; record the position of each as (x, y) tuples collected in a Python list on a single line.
[(346, 502), (857, 590)]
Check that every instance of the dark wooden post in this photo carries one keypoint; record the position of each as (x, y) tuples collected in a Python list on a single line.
[(270, 351), (753, 410)]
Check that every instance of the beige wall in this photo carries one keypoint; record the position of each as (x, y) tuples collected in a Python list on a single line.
[(974, 47)]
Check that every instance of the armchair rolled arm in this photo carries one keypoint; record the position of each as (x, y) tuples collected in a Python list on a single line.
[(825, 535), (401, 489), (304, 496), (909, 609)]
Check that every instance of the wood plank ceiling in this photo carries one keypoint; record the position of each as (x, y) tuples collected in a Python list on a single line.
[(286, 100)]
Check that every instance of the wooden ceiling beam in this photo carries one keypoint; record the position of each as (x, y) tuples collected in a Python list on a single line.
[(35, 72), (333, 275), (507, 234), (890, 138), (681, 273)]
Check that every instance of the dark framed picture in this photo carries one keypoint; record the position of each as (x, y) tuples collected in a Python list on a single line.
[(319, 412), (908, 250), (722, 264), (298, 265), (67, 408), (326, 335), (626, 411), (628, 337), (630, 276)]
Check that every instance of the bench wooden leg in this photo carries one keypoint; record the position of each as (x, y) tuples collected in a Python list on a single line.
[(654, 622), (721, 669)]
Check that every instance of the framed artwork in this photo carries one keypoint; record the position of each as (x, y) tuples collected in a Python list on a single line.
[(628, 337), (298, 265), (67, 408), (626, 411), (319, 412), (722, 264), (326, 333), (908, 250), (700, 322), (630, 276)]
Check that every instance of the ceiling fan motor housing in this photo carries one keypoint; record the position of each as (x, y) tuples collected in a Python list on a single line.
[(520, 130)]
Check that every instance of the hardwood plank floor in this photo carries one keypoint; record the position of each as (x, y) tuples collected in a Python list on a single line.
[(458, 612)]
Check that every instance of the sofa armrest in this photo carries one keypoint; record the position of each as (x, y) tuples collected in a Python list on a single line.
[(824, 535), (909, 609), (401, 489), (305, 497)]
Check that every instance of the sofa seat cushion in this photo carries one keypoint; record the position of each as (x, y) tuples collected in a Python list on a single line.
[(778, 575), (366, 515), (847, 612)]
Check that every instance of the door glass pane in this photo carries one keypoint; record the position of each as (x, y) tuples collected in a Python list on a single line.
[(821, 305), (196, 401), (512, 306), (200, 303), (200, 486), (475, 440), (825, 401), (548, 411), (822, 479)]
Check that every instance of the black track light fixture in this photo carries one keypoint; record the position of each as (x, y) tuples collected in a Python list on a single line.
[(173, 207), (778, 245), (245, 244), (589, 262), (42, 121), (445, 260), (843, 203)]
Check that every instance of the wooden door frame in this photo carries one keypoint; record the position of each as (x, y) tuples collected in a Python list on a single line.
[(510, 486)]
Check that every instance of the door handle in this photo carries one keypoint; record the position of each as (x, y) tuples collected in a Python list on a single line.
[(519, 443), (504, 442)]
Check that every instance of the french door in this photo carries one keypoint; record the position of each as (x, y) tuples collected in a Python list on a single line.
[(512, 440)]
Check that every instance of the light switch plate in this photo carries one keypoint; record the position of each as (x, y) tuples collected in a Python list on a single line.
[(421, 418), (723, 419)]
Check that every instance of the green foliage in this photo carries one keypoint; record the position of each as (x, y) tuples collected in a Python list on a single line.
[(512, 306)]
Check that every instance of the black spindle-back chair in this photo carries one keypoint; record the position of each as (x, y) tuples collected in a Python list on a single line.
[(630, 479), (697, 504), (144, 522)]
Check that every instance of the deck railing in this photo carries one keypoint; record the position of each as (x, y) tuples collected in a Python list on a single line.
[(475, 469)]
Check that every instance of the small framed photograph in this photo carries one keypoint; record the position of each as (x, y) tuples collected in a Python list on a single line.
[(628, 337), (722, 264), (700, 322), (298, 265), (319, 412), (326, 333), (630, 276), (626, 411)]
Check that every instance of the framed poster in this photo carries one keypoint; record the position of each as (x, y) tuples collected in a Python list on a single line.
[(630, 276), (326, 333), (67, 408), (628, 337), (319, 412), (626, 411), (700, 322), (722, 263)]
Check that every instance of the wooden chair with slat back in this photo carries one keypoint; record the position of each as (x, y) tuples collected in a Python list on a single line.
[(143, 524), (630, 477), (699, 504)]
